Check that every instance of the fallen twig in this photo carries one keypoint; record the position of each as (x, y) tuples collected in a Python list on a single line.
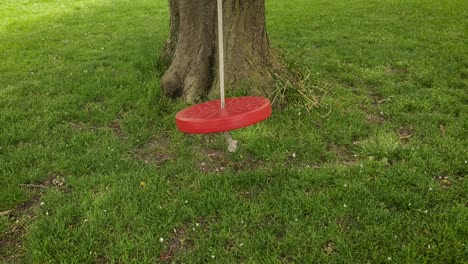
[(327, 114), (169, 254), (4, 213), (34, 186), (382, 101), (406, 137), (316, 123), (442, 130)]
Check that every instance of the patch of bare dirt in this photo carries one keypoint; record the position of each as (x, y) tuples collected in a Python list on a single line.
[(405, 133), (375, 119), (213, 160), (230, 245), (344, 223), (80, 126), (373, 114), (217, 161), (397, 70), (248, 164), (377, 100), (248, 195), (77, 126), (100, 259), (115, 126), (329, 248), (180, 240), (286, 258), (156, 152), (444, 182), (117, 130), (11, 241), (343, 153)]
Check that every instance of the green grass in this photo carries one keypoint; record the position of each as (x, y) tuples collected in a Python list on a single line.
[(375, 174)]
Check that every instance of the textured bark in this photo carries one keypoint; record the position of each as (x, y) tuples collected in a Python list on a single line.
[(191, 51)]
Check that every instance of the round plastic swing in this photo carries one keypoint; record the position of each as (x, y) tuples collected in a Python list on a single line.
[(224, 114), (210, 118)]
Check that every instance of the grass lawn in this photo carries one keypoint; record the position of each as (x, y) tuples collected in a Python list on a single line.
[(94, 170)]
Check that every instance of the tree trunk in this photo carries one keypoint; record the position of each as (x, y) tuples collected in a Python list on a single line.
[(191, 52)]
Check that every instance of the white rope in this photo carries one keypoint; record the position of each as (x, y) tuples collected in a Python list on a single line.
[(232, 143), (221, 52)]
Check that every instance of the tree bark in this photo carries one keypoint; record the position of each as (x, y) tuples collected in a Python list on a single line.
[(191, 51)]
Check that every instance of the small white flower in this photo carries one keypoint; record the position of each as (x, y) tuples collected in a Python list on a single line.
[(430, 188), (42, 203), (241, 245), (345, 185), (389, 258), (47, 213), (294, 155), (425, 211), (296, 219), (161, 240), (197, 224), (345, 206), (186, 201), (212, 256)]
